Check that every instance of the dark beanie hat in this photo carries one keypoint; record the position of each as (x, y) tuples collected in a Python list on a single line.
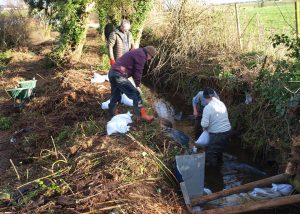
[(208, 93), (151, 51)]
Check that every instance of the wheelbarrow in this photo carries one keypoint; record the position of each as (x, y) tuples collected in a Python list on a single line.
[(23, 92)]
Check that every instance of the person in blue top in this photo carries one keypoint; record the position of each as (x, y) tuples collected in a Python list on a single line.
[(198, 104)]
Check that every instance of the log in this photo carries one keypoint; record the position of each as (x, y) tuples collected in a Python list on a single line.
[(256, 206), (246, 187)]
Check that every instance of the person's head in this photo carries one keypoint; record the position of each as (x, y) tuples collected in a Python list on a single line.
[(208, 94), (125, 26), (151, 52)]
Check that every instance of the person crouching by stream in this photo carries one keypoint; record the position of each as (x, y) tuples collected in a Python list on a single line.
[(131, 64), (216, 122)]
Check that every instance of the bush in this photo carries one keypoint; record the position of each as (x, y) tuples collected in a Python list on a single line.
[(279, 87), (14, 30)]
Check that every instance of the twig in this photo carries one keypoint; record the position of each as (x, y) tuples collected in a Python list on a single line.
[(15, 169), (41, 76), (47, 176), (55, 151), (112, 207)]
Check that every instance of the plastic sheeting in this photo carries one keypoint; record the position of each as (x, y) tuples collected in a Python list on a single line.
[(119, 123)]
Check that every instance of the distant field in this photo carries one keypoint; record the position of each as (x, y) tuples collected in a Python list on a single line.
[(274, 17)]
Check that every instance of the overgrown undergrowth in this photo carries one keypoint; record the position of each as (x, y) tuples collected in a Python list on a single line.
[(190, 60)]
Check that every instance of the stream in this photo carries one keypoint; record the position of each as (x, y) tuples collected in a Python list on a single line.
[(238, 165)]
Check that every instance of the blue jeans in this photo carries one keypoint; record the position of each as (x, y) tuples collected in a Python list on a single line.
[(119, 85)]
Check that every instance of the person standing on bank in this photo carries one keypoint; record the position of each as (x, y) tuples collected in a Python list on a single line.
[(216, 122), (131, 64), (198, 104), (120, 41)]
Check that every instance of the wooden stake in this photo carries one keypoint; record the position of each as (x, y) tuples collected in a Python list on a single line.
[(246, 187), (276, 202)]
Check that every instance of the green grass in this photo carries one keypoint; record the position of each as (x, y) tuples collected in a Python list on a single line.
[(5, 123), (259, 24), (274, 18)]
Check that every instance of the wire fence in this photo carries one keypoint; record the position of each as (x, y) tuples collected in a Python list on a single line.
[(256, 23)]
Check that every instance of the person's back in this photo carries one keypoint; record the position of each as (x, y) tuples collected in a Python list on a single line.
[(215, 117)]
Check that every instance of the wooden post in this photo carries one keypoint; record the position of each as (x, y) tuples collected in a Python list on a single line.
[(246, 187), (297, 17), (276, 202), (238, 26)]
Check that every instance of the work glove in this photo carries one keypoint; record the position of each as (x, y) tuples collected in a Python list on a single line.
[(139, 90), (112, 61)]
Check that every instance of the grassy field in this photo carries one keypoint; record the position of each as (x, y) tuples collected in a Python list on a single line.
[(258, 24)]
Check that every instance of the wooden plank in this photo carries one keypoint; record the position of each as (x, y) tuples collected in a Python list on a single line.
[(246, 187), (256, 206)]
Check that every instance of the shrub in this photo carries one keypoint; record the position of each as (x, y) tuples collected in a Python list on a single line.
[(14, 30)]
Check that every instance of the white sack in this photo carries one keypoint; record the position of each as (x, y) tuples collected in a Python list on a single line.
[(203, 139), (119, 124), (284, 189), (126, 101), (98, 78), (104, 105)]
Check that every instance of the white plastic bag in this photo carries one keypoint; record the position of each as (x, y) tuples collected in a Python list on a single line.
[(264, 193), (203, 139), (122, 117), (104, 105), (119, 124), (98, 78), (106, 77), (284, 189), (126, 101)]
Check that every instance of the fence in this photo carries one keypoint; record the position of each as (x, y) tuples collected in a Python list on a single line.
[(256, 23)]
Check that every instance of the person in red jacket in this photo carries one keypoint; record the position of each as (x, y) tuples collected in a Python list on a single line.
[(131, 64)]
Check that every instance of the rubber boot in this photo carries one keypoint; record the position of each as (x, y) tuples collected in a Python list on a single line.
[(144, 115)]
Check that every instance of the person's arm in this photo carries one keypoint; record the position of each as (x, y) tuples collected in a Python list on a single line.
[(205, 118), (138, 68), (111, 43), (195, 104)]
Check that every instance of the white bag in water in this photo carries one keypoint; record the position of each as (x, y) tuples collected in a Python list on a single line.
[(126, 101), (203, 139), (119, 124), (104, 105), (284, 189)]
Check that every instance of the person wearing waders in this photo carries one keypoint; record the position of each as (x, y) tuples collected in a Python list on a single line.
[(216, 122), (198, 104), (119, 41), (131, 64)]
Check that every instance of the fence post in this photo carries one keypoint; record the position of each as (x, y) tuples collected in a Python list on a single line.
[(238, 26), (297, 17)]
